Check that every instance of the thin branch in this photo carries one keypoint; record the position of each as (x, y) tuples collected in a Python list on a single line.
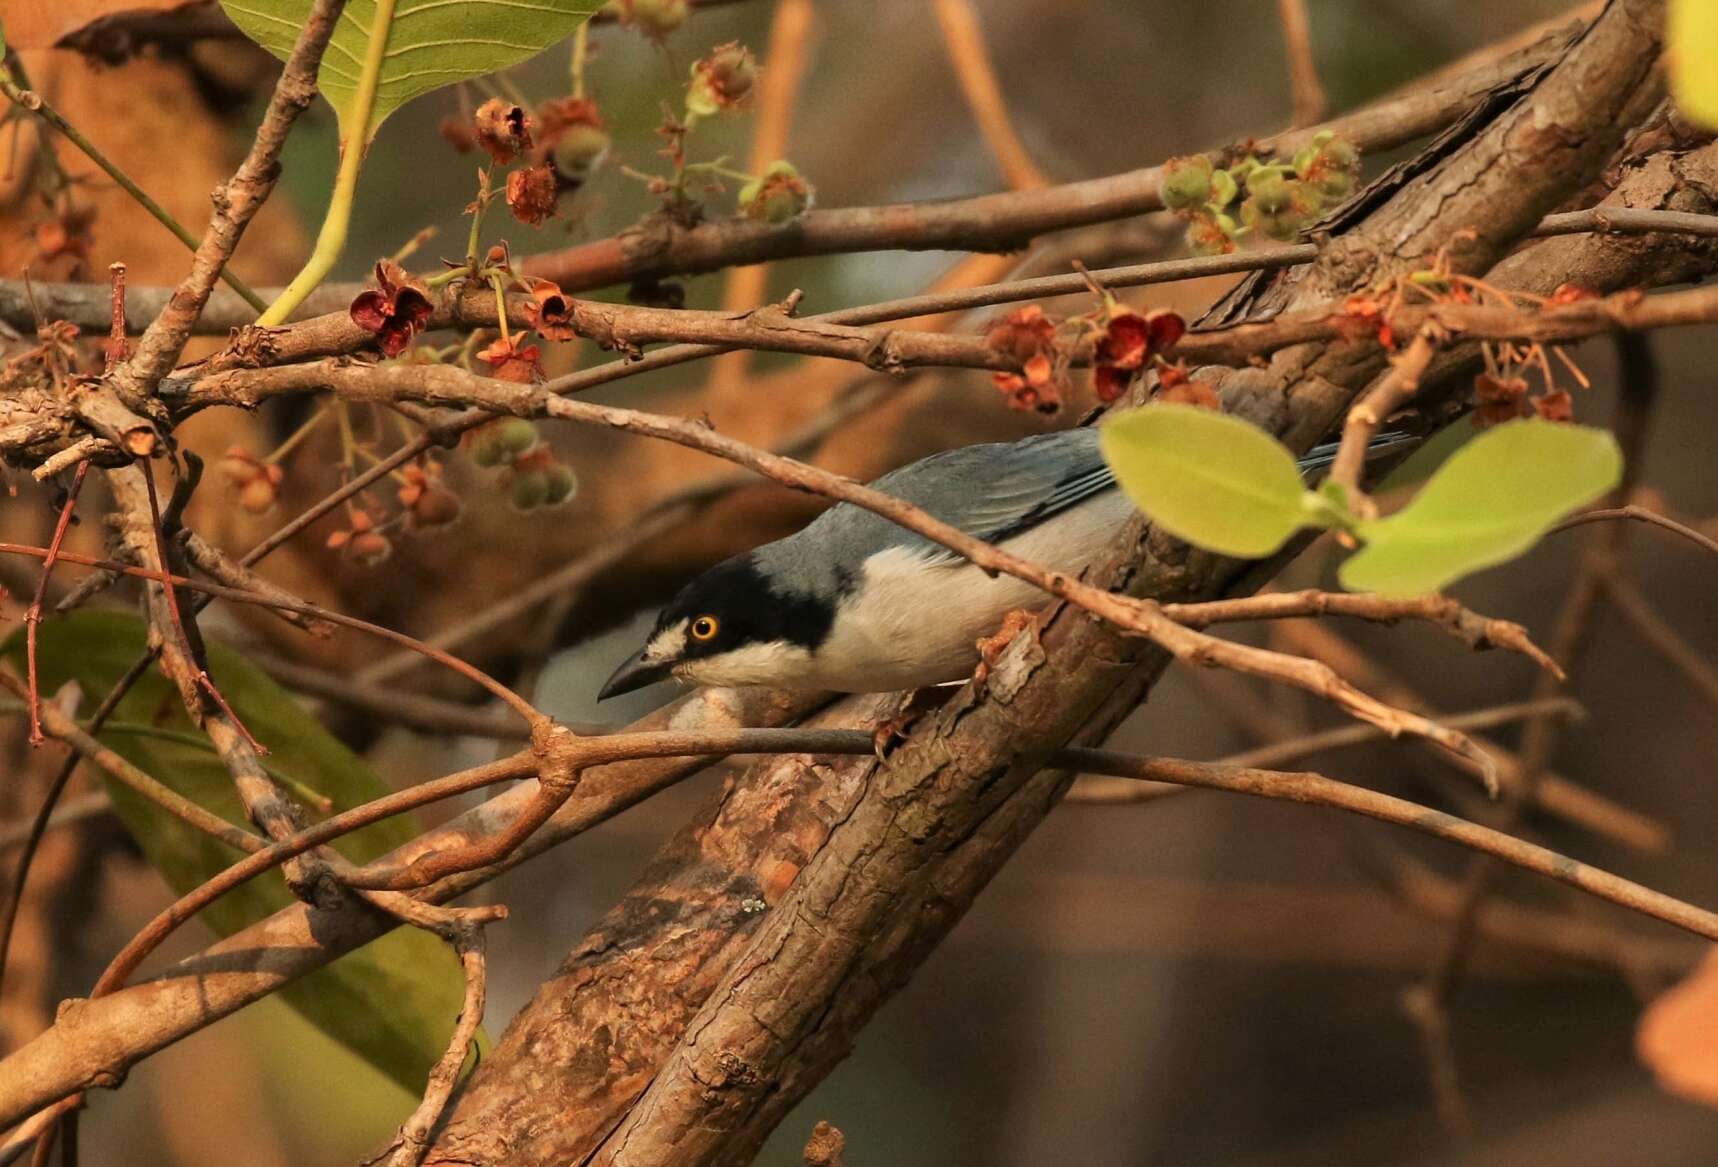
[(993, 222), (963, 41), (1555, 795), (413, 1137), (1388, 394), (785, 61), (1102, 791), (1476, 631), (33, 616), (236, 203), (315, 611), (1660, 634), (1309, 100), (1317, 790), (890, 349), (1640, 514), (63, 726)]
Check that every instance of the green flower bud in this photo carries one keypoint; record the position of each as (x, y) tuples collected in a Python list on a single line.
[(1224, 188), (1186, 182)]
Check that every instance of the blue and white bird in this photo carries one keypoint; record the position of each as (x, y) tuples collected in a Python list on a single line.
[(857, 604)]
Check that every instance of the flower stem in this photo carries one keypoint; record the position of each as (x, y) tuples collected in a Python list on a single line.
[(581, 44), (331, 240)]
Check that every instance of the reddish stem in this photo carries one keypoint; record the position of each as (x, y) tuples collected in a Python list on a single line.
[(33, 617), (171, 594)]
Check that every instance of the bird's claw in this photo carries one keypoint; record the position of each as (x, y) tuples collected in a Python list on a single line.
[(893, 729), (991, 647)]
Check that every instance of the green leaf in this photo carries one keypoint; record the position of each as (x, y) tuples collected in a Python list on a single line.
[(1493, 499), (431, 43), (1205, 477), (394, 1001), (1692, 41)]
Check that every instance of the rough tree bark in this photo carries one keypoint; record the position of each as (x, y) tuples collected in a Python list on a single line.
[(624, 1059)]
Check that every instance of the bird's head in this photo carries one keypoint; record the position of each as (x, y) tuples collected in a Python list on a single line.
[(733, 625)]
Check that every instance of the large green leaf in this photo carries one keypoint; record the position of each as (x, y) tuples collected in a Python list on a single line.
[(431, 43), (1692, 41), (394, 1001), (1208, 478), (1488, 503)]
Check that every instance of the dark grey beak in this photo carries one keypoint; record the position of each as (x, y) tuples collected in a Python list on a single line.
[(634, 673)]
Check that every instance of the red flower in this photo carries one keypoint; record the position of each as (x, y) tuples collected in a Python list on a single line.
[(532, 193), (1556, 405), (256, 483), (503, 129), (1128, 341), (395, 310), (427, 502), (1022, 333), (1498, 399), (509, 360), (551, 311), (361, 544)]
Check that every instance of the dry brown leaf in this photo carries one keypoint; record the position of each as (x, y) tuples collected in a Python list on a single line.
[(1678, 1036)]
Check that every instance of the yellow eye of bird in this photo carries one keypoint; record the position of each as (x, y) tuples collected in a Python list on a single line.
[(704, 628)]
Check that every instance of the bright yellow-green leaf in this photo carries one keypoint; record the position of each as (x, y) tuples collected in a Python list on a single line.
[(1692, 41), (1488, 503), (431, 43), (393, 1002), (1205, 477)]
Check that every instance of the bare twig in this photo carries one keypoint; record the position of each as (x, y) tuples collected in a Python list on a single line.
[(314, 611), (785, 61), (1309, 101), (1103, 791), (1660, 634), (963, 41), (61, 725), (235, 204), (1640, 514), (467, 938), (1476, 631), (33, 616)]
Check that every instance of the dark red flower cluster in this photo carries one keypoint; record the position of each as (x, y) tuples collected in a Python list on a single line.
[(503, 130), (1029, 337), (551, 311), (1498, 399), (395, 310), (532, 192), (1129, 340), (513, 360)]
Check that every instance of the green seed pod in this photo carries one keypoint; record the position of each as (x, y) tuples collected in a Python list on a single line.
[(580, 149), (561, 482), (516, 435), (529, 490), (488, 453)]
